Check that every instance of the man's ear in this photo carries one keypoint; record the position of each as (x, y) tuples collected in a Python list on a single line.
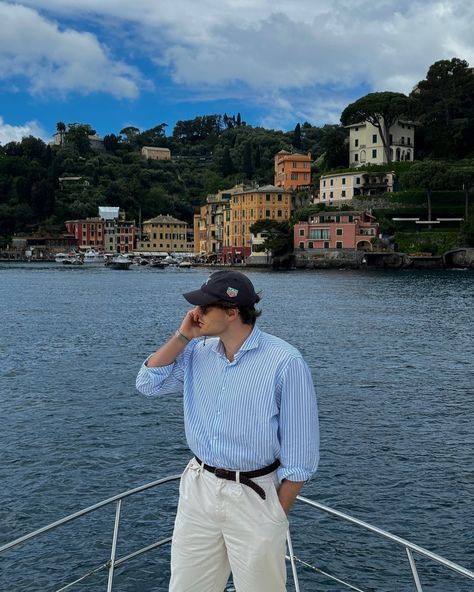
[(232, 313)]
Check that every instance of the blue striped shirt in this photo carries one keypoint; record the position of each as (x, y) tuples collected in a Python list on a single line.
[(242, 415)]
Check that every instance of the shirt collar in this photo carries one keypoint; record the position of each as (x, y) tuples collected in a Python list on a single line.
[(251, 342)]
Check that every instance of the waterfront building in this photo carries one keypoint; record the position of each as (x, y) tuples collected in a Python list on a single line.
[(366, 146), (109, 232), (88, 233), (209, 224), (338, 188), (164, 234), (247, 207), (336, 230), (156, 153), (292, 170)]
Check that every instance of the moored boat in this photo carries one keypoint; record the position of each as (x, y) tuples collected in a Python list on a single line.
[(93, 256), (120, 262)]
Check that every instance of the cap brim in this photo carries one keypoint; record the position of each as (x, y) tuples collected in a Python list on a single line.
[(199, 298)]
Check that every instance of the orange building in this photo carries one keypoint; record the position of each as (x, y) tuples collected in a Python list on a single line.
[(292, 170), (246, 208)]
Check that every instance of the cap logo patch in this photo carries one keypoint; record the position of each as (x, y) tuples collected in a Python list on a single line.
[(232, 292)]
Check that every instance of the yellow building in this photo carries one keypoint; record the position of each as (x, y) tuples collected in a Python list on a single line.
[(246, 208), (292, 170), (209, 223), (164, 233)]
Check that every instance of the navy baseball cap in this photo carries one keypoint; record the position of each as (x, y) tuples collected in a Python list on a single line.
[(225, 286)]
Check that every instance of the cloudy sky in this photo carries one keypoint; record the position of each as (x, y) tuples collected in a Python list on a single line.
[(113, 63)]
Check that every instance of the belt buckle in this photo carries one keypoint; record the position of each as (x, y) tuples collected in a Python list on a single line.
[(224, 474)]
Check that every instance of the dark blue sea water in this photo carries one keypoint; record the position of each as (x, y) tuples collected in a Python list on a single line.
[(392, 358)]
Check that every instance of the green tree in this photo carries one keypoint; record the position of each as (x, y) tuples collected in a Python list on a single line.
[(297, 137), (247, 160), (382, 110), (334, 146), (428, 175), (462, 175), (278, 236), (227, 166), (444, 104), (77, 135)]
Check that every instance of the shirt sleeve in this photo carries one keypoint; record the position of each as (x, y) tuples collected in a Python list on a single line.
[(164, 379), (299, 424)]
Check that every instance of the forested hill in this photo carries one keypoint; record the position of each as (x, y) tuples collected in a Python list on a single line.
[(210, 153)]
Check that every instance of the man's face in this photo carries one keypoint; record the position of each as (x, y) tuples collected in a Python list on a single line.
[(213, 319)]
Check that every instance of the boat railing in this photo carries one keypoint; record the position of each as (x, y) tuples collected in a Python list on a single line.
[(113, 562)]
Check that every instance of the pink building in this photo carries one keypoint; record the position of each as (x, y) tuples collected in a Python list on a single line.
[(336, 230)]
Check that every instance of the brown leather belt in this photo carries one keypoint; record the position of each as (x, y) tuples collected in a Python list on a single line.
[(245, 477)]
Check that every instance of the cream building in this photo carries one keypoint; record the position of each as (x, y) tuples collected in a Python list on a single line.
[(156, 153), (342, 187), (164, 233), (366, 146)]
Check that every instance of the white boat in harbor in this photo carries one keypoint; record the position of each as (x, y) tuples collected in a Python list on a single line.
[(399, 548), (93, 256), (119, 262), (61, 257)]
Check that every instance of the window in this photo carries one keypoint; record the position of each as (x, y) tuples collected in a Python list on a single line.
[(324, 182), (267, 213), (310, 245), (338, 245), (279, 213), (402, 139), (374, 139), (331, 194), (356, 158), (338, 219), (301, 231), (338, 231), (374, 153), (267, 197), (343, 193), (408, 140), (319, 233), (280, 197), (301, 245), (356, 129), (294, 176), (331, 182), (343, 180), (351, 218), (357, 180), (356, 142), (326, 244), (294, 164)]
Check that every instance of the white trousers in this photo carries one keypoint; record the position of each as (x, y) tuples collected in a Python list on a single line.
[(223, 526)]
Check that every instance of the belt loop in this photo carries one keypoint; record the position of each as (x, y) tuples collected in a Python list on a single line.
[(237, 476), (201, 467)]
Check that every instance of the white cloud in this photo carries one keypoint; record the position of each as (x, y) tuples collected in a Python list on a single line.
[(260, 49), (54, 59), (14, 133)]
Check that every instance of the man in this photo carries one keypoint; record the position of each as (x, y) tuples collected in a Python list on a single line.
[(251, 421)]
